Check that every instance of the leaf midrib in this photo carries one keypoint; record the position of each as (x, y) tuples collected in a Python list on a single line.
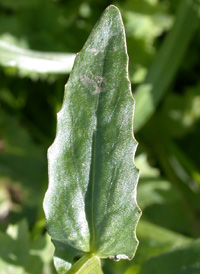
[(93, 172), (93, 162)]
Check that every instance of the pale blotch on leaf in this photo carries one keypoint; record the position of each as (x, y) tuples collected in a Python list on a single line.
[(92, 83)]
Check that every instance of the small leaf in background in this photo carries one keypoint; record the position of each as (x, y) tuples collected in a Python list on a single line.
[(90, 204), (20, 255), (183, 260), (155, 239), (181, 112)]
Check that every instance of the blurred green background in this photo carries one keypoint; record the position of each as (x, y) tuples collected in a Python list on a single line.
[(38, 40)]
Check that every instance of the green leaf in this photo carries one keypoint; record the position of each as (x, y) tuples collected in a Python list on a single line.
[(155, 239), (26, 60), (20, 255), (166, 63), (183, 260), (90, 204)]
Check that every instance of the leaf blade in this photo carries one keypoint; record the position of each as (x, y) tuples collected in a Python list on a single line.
[(91, 160)]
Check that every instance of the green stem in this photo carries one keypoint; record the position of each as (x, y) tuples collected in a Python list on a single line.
[(88, 264)]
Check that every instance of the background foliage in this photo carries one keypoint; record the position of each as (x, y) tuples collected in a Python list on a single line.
[(163, 46)]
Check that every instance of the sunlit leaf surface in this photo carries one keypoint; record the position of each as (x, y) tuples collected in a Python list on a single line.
[(90, 204)]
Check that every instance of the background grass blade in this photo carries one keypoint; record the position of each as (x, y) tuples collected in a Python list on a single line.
[(34, 61)]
